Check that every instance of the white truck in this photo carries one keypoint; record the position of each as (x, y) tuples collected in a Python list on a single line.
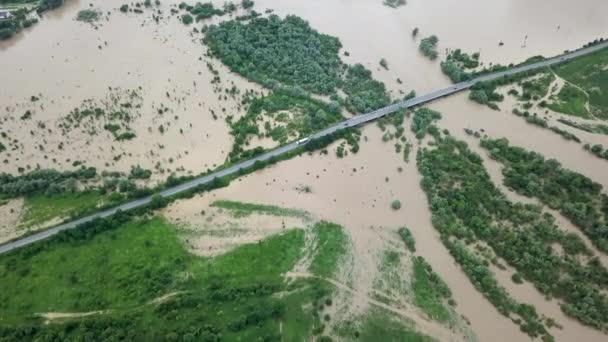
[(303, 141)]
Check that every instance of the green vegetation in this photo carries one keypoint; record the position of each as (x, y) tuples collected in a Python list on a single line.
[(202, 11), (274, 49), (485, 93), (407, 238), (291, 58), (384, 63), (396, 205), (19, 19), (570, 100), (39, 209), (137, 172), (331, 246), (247, 4), (87, 15), (292, 117), (589, 73), (587, 127), (538, 121), (456, 64), (597, 150), (244, 209), (121, 108), (394, 3), (577, 197), (422, 122), (364, 93), (428, 47), (467, 208), (125, 266), (49, 4), (287, 52), (538, 87), (187, 19), (380, 325), (430, 292), (390, 279), (46, 182)]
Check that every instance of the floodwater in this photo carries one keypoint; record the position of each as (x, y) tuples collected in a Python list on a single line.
[(65, 62), (370, 31)]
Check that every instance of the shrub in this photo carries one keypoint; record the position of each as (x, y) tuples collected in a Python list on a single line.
[(407, 238), (87, 15), (428, 46), (187, 19), (247, 4), (396, 205)]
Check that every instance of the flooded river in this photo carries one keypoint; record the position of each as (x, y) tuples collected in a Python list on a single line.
[(66, 62)]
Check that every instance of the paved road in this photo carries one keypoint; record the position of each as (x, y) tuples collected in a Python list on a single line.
[(357, 120)]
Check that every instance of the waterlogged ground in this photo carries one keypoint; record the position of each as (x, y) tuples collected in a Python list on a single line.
[(65, 62)]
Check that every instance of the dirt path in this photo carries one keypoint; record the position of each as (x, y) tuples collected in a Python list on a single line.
[(428, 327)]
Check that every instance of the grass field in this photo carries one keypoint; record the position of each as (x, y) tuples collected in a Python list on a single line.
[(241, 209), (430, 292), (379, 325), (122, 270), (590, 73), (39, 209), (570, 100), (331, 247)]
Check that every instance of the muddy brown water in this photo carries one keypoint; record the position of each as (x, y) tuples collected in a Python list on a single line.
[(60, 59)]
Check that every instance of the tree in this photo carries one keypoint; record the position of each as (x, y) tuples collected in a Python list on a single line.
[(247, 4), (396, 205), (187, 19)]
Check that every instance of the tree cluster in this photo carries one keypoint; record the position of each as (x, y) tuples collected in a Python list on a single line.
[(428, 47), (467, 208)]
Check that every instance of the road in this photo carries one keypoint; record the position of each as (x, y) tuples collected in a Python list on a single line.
[(354, 121)]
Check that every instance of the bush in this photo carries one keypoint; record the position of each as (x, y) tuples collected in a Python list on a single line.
[(124, 8), (187, 19), (87, 15), (428, 46), (247, 4), (396, 205), (407, 238)]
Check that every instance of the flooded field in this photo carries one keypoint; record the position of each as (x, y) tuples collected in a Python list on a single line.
[(65, 63)]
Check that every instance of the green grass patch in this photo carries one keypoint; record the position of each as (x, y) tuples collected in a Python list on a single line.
[(430, 292), (39, 209), (232, 296), (570, 100), (390, 278), (243, 209), (380, 325), (589, 72), (331, 247)]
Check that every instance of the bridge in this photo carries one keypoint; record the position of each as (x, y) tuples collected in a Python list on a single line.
[(354, 121)]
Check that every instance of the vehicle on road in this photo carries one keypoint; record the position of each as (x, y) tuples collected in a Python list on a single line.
[(303, 141)]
